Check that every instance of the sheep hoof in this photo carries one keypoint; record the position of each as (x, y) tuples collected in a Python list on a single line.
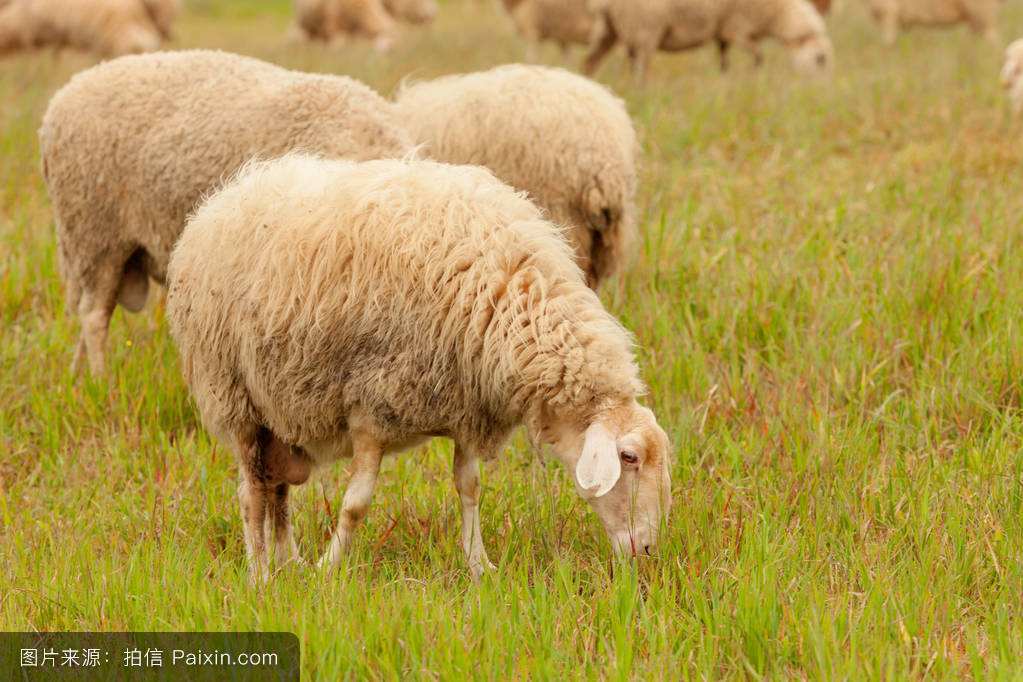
[(478, 568)]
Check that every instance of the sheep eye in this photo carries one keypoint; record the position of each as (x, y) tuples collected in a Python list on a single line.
[(629, 457)]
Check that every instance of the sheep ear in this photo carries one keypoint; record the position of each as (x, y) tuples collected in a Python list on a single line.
[(598, 468)]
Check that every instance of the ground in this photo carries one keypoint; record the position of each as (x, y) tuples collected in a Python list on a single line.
[(826, 304)]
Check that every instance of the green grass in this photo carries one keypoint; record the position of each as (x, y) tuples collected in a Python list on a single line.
[(827, 302)]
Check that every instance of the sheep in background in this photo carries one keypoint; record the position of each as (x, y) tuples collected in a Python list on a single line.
[(567, 141), (328, 309), (334, 21), (645, 26), (980, 15), (565, 22), (106, 27), (1012, 74), (129, 146)]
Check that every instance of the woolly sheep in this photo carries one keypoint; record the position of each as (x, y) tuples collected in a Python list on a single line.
[(645, 26), (106, 27), (891, 15), (129, 146), (327, 309), (562, 138), (335, 20), (566, 22), (1012, 74)]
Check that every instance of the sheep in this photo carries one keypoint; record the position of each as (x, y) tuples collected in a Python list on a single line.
[(564, 139), (980, 15), (566, 22), (645, 26), (1012, 74), (106, 27), (326, 309), (129, 146), (333, 20)]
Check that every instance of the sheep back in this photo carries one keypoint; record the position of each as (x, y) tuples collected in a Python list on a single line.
[(564, 139), (433, 298), (129, 146)]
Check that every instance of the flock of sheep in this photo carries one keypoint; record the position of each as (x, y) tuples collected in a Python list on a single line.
[(117, 27), (375, 273), (342, 297)]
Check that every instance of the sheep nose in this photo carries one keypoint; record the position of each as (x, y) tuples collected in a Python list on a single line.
[(822, 60), (646, 550)]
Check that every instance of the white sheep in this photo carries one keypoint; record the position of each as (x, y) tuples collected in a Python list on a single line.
[(327, 309), (567, 141), (645, 26), (565, 22), (130, 146), (334, 21), (1012, 74), (106, 27), (980, 15)]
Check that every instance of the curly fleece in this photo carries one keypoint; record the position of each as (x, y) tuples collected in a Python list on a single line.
[(432, 297), (565, 140), (130, 146)]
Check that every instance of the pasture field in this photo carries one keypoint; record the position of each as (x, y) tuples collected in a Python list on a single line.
[(828, 305)]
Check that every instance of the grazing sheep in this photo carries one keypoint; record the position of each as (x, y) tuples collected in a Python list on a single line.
[(327, 309), (980, 15), (564, 139), (566, 22), (106, 27), (645, 26), (1012, 74), (335, 20), (130, 146)]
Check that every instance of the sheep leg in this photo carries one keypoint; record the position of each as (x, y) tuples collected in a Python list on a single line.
[(94, 312), (723, 54), (889, 26), (467, 483), (365, 467), (753, 47), (279, 518), (79, 356), (640, 59), (599, 52), (252, 497)]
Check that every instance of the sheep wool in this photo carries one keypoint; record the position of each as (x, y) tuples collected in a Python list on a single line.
[(565, 22), (329, 308), (105, 27), (646, 26), (129, 146), (565, 140), (892, 15)]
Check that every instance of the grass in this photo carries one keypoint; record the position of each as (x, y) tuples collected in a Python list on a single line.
[(827, 304)]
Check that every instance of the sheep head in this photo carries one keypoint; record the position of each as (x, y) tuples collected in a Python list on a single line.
[(805, 35), (620, 464)]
